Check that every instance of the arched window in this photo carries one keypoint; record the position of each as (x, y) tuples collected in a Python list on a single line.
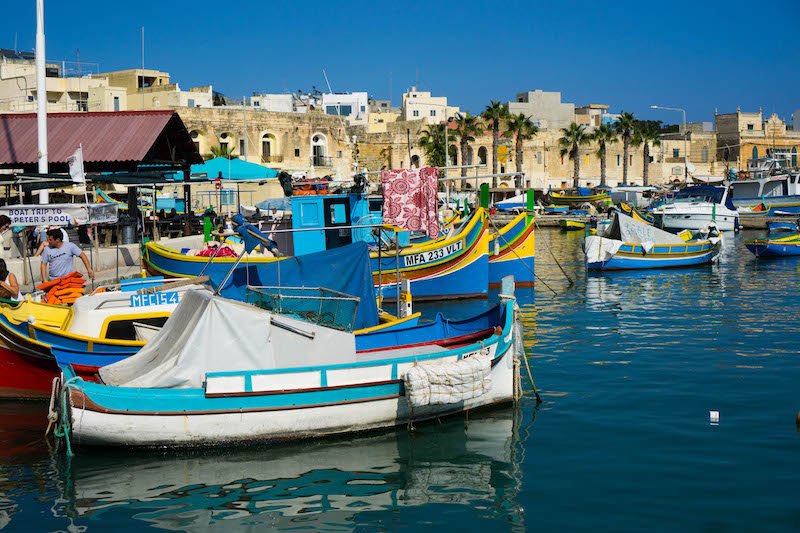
[(269, 149), (705, 154), (482, 155), (794, 156), (196, 139), (319, 150), (415, 161), (468, 161), (225, 142), (755, 152), (453, 155)]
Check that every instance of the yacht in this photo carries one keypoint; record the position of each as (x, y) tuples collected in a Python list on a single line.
[(697, 207), (770, 182)]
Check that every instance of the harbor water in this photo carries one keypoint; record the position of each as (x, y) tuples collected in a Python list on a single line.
[(631, 368)]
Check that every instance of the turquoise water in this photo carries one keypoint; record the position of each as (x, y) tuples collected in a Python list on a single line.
[(629, 366)]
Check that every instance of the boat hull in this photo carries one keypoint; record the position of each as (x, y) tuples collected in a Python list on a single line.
[(785, 204), (697, 221), (773, 249), (633, 256), (23, 377), (558, 199), (514, 252), (293, 403)]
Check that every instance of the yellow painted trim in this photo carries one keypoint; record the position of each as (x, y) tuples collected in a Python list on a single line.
[(389, 323), (129, 316)]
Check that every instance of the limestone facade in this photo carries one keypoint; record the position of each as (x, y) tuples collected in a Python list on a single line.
[(744, 136)]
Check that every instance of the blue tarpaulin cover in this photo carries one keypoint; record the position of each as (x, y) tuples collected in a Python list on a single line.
[(584, 191), (233, 169), (345, 269)]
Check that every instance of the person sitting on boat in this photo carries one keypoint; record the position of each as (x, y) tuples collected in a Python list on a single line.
[(59, 255), (9, 287)]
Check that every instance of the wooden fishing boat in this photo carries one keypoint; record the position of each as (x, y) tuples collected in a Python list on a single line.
[(779, 247), (568, 199), (453, 266), (569, 224), (629, 244), (102, 325), (778, 226), (104, 328), (512, 252), (284, 378)]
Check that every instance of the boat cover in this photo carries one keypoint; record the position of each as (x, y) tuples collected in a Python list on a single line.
[(626, 229), (345, 269), (447, 383), (208, 333)]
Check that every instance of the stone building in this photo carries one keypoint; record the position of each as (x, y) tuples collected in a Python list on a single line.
[(743, 136), (544, 108), (152, 89)]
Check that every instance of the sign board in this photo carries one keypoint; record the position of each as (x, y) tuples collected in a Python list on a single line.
[(677, 171), (60, 214), (502, 153), (158, 298), (433, 255)]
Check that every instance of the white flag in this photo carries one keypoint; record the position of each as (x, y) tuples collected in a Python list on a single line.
[(75, 162)]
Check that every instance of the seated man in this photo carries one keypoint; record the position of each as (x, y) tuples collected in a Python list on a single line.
[(59, 255)]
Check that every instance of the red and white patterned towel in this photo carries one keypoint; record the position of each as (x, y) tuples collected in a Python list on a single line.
[(410, 200)]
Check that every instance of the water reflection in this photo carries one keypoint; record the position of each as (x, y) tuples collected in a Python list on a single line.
[(325, 485)]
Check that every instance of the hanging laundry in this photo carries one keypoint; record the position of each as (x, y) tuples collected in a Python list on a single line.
[(410, 200)]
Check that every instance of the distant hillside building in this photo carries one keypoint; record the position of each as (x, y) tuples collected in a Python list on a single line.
[(544, 108)]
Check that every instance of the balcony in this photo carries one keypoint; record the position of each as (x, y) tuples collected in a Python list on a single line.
[(272, 159), (322, 161)]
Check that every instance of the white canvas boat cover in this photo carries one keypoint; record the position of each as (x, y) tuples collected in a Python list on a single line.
[(207, 333), (626, 229), (438, 384)]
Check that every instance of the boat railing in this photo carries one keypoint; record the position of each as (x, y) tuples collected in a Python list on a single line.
[(318, 305)]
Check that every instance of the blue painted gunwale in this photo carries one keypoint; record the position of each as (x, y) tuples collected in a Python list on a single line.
[(186, 401)]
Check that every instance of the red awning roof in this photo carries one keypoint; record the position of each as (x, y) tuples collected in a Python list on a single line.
[(107, 137)]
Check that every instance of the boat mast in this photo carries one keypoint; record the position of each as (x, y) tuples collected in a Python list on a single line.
[(41, 97)]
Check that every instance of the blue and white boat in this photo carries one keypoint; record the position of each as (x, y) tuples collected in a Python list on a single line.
[(779, 247), (629, 244), (223, 371), (778, 226), (696, 207)]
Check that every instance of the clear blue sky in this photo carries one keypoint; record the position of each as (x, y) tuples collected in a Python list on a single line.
[(693, 54)]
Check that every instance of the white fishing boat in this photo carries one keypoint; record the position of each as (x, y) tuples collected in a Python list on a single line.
[(696, 208), (283, 378)]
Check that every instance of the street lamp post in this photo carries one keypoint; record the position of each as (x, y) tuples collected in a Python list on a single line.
[(685, 140)]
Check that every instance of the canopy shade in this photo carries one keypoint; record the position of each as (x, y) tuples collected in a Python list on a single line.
[(233, 169)]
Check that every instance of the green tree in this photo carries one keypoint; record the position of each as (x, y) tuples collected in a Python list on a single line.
[(495, 113), (432, 142), (467, 128), (572, 138), (644, 136), (521, 128), (603, 136), (625, 127)]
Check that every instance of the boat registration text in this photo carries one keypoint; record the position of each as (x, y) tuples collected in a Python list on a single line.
[(159, 298), (433, 255)]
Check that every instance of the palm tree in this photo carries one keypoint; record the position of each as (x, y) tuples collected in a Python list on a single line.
[(603, 136), (432, 142), (625, 127), (571, 140), (522, 128), (221, 151), (495, 112), (645, 135), (467, 128)]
